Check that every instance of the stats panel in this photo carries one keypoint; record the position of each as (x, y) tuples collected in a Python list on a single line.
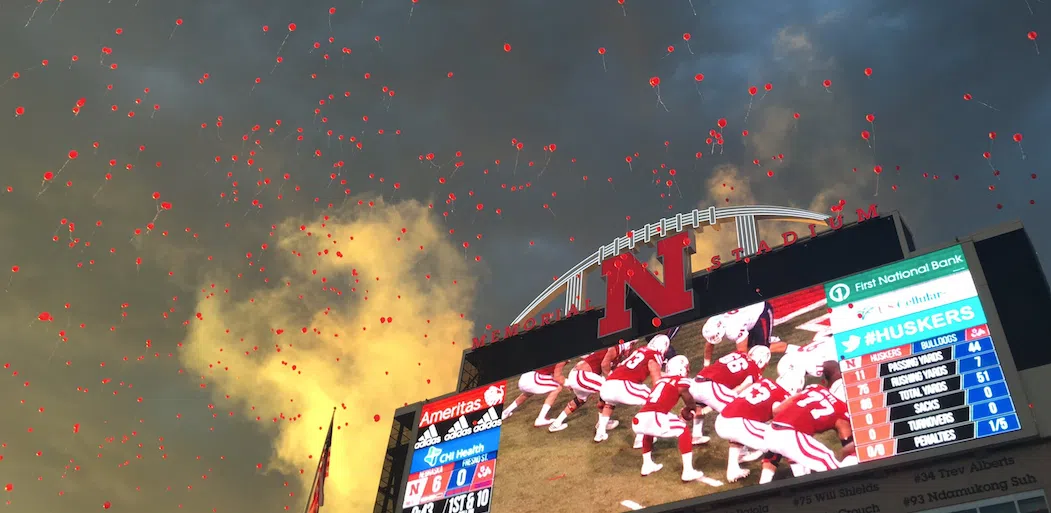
[(913, 397), (919, 364), (454, 457)]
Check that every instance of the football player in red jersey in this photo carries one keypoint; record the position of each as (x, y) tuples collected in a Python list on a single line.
[(655, 419), (587, 378), (743, 422), (791, 434), (626, 384), (548, 380), (717, 385)]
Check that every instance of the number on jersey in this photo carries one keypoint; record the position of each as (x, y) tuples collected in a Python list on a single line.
[(824, 406), (655, 395), (757, 394), (635, 359), (734, 362)]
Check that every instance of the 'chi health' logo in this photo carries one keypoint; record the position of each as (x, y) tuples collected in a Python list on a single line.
[(432, 456), (839, 292)]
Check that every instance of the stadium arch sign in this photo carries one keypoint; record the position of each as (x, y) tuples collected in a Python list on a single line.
[(672, 236)]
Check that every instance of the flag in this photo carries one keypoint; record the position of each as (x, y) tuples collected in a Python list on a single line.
[(317, 489)]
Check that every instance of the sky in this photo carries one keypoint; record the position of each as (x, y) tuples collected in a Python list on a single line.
[(219, 229)]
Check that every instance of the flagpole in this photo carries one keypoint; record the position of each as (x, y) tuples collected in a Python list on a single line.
[(321, 462)]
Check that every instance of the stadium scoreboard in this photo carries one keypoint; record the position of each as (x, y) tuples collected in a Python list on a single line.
[(918, 360), (454, 457), (944, 384)]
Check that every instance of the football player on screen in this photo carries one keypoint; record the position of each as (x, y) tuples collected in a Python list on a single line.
[(747, 327), (548, 380), (586, 379), (810, 358), (718, 384), (655, 419), (796, 421), (626, 384), (743, 423)]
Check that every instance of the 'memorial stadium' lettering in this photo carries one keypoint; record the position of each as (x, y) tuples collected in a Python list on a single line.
[(667, 298)]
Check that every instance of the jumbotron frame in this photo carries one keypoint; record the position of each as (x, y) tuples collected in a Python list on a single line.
[(745, 219)]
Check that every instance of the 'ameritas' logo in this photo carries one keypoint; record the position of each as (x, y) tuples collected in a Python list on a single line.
[(461, 404)]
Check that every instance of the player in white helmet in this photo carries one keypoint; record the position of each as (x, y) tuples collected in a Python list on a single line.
[(626, 386), (679, 365), (660, 344), (718, 384), (809, 358), (792, 383), (743, 423), (747, 327), (656, 420), (760, 355)]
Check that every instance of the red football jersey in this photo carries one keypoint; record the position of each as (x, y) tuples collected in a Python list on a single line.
[(756, 402), (731, 370), (635, 368), (594, 360), (547, 371), (665, 394), (816, 411)]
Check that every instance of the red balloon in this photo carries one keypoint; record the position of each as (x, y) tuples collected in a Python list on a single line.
[(1032, 35), (507, 47), (1018, 138), (291, 27), (827, 83), (655, 81), (752, 90), (602, 50), (698, 77), (868, 72)]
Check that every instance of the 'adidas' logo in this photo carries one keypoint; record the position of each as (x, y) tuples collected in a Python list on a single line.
[(460, 428), (491, 419), (428, 438)]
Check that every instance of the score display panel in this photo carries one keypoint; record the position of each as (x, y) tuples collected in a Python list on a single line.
[(454, 456), (918, 362)]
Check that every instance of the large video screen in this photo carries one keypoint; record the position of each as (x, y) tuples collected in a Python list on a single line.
[(891, 361)]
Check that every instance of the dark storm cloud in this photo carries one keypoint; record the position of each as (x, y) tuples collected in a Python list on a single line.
[(550, 88)]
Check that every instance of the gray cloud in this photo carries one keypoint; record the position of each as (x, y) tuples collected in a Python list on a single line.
[(550, 89)]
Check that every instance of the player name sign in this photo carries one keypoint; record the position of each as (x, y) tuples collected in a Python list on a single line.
[(918, 361)]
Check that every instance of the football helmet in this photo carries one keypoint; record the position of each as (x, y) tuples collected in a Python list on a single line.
[(678, 366), (659, 343), (760, 355), (790, 363), (839, 390), (713, 330), (792, 382)]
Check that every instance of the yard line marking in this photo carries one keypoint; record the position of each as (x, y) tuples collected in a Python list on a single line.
[(632, 505)]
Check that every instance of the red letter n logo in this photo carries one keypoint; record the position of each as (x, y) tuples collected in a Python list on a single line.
[(665, 299)]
